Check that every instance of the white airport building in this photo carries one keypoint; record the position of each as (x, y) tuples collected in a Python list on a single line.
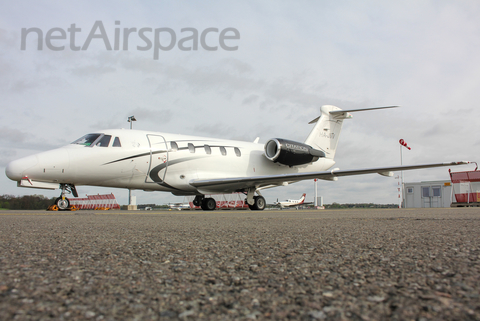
[(428, 194)]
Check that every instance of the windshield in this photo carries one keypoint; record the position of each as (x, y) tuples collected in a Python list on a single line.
[(104, 141), (87, 140)]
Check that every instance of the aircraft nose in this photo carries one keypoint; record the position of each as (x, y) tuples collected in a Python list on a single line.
[(15, 169)]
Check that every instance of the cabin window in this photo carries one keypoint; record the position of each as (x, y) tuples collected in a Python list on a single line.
[(237, 152), (173, 146), (208, 150), (87, 140), (116, 142), (191, 148), (104, 141), (223, 150)]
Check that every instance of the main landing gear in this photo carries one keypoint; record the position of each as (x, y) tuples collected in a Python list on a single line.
[(255, 203), (207, 204), (258, 203), (62, 202)]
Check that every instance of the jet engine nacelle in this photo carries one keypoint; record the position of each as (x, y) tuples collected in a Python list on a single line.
[(291, 153)]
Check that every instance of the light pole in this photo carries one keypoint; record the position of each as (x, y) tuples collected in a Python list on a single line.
[(130, 119)]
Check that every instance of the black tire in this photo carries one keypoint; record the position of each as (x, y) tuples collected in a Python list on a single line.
[(209, 204), (62, 204), (259, 204)]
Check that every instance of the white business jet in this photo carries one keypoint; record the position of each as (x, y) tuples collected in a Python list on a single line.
[(190, 165), (288, 203)]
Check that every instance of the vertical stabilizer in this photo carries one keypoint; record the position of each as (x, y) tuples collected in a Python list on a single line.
[(326, 132)]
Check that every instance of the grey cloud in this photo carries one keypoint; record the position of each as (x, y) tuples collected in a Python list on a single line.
[(152, 115), (250, 99), (237, 65), (227, 77), (8, 39), (92, 70), (22, 85), (214, 130), (12, 135), (143, 115), (106, 124), (92, 65), (7, 156), (435, 130)]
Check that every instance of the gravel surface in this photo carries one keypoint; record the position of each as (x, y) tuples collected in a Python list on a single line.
[(413, 264)]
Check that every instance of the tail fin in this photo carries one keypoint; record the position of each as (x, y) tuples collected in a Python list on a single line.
[(325, 133)]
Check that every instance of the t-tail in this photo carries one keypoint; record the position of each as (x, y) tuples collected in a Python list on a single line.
[(324, 135)]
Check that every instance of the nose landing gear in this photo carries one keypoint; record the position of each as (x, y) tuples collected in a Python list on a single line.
[(62, 202)]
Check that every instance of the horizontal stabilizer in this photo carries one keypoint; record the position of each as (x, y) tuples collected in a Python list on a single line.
[(333, 112), (340, 112)]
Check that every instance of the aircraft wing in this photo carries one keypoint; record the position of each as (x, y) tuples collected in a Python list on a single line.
[(233, 184)]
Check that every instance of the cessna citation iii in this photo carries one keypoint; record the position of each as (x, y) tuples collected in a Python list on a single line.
[(190, 165)]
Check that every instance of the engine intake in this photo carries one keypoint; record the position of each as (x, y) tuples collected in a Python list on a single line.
[(288, 152)]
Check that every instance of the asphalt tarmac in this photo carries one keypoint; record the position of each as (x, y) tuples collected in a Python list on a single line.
[(396, 264)]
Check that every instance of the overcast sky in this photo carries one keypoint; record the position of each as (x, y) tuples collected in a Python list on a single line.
[(292, 58)]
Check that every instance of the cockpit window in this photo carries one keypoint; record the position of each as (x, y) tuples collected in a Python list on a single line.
[(104, 141), (116, 142), (87, 140)]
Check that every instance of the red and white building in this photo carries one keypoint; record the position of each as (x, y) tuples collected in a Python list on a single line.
[(92, 202), (466, 186), (224, 201)]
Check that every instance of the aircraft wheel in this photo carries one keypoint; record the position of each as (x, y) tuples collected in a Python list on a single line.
[(209, 204), (62, 204), (259, 204)]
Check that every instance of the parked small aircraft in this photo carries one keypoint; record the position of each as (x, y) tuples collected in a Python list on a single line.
[(191, 165), (288, 203), (179, 206)]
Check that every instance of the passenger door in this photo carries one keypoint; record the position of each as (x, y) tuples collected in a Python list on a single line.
[(158, 159)]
